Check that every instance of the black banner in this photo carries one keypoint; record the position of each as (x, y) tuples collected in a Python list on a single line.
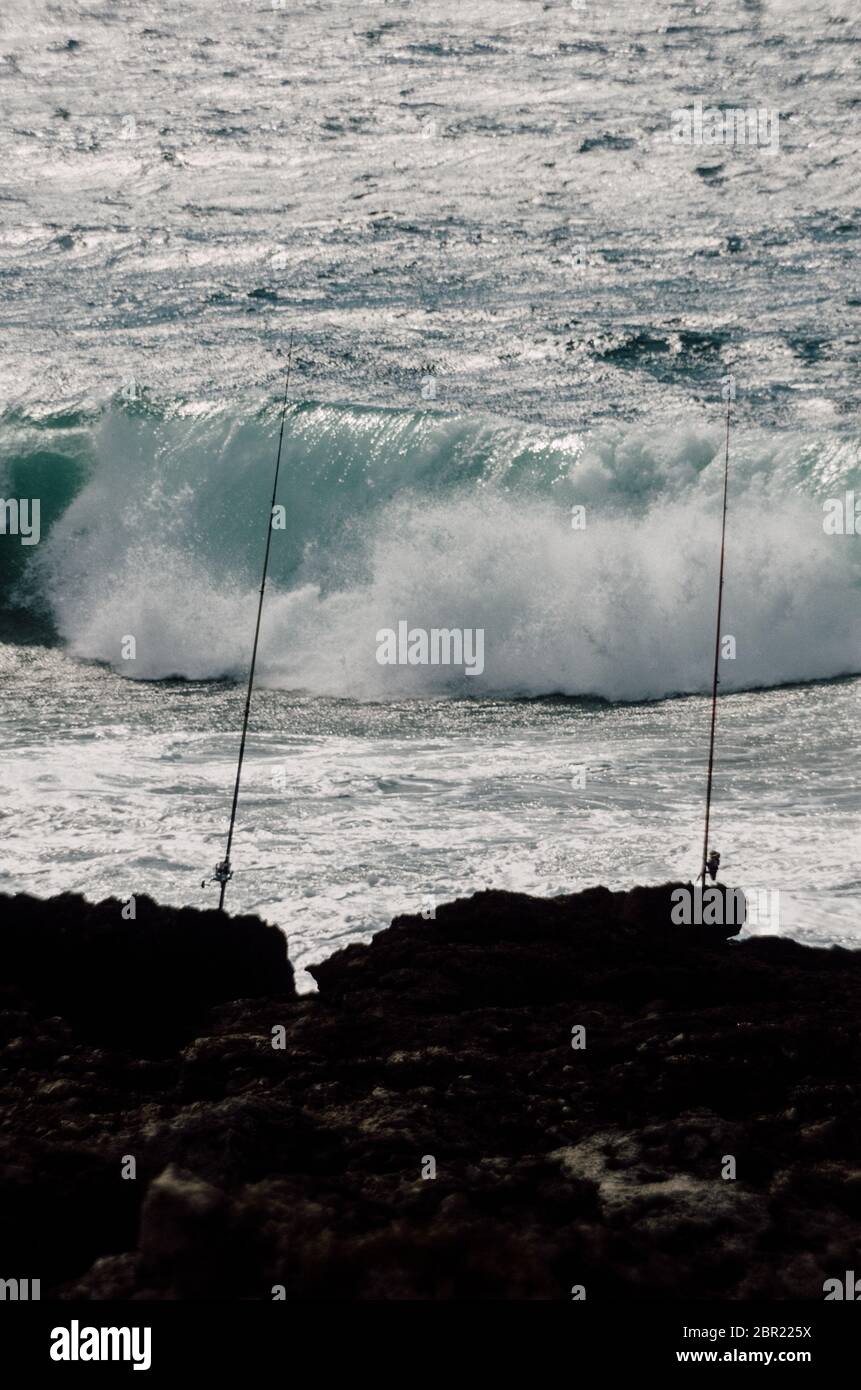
[(160, 1339)]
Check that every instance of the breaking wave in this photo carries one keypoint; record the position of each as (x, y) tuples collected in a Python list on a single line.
[(153, 527)]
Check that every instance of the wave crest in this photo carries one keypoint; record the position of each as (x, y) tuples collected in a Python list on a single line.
[(443, 522)]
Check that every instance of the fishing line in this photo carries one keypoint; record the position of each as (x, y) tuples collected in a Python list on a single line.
[(705, 865), (223, 872)]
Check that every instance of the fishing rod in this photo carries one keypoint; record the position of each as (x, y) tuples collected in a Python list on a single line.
[(710, 865), (223, 872)]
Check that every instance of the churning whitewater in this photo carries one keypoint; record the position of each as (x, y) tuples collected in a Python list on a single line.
[(587, 562)]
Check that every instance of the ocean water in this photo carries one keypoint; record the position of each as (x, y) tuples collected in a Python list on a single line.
[(513, 296)]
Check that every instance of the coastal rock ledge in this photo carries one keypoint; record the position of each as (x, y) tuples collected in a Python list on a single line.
[(516, 1098)]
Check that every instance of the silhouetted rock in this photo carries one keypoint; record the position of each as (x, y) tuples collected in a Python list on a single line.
[(442, 1046), (153, 974), (507, 948)]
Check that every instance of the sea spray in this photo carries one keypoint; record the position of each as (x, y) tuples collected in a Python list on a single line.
[(459, 523)]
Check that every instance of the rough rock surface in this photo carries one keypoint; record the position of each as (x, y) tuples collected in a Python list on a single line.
[(301, 1166)]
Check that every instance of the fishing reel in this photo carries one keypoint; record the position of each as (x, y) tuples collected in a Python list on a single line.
[(223, 873)]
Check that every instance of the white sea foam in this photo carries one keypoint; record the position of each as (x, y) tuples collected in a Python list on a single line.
[(466, 524)]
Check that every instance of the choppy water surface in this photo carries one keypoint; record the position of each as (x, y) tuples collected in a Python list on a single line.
[(352, 813)]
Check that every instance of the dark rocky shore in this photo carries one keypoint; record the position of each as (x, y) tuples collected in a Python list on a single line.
[(447, 1040)]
